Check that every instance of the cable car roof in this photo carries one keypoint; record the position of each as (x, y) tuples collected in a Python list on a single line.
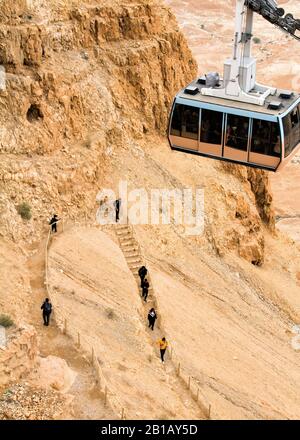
[(285, 104)]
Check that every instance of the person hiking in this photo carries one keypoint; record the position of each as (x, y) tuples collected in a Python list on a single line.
[(152, 317), (117, 206), (145, 287), (163, 344), (47, 309), (142, 274), (53, 223)]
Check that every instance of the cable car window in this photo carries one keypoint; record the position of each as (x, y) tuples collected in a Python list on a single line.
[(211, 127), (294, 117), (291, 124), (237, 132), (185, 121), (176, 121), (265, 138)]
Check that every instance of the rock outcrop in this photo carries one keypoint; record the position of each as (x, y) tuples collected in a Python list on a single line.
[(19, 357), (88, 91), (87, 68)]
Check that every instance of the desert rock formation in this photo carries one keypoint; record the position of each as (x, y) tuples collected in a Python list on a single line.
[(88, 91)]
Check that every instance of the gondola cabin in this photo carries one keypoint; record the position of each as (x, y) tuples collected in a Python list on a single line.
[(261, 136), (236, 119)]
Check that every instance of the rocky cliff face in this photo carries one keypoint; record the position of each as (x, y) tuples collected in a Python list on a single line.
[(19, 357), (82, 79), (88, 90), (78, 69)]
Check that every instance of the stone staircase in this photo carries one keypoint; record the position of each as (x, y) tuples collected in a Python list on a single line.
[(134, 258)]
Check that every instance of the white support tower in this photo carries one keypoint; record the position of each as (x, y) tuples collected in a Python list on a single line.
[(239, 80)]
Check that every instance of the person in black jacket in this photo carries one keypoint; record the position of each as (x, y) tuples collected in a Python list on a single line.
[(142, 274), (152, 317), (47, 309), (117, 205), (145, 287), (53, 223)]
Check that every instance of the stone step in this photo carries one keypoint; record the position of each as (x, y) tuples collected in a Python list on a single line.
[(124, 233), (135, 272), (125, 237), (128, 250), (134, 266), (123, 227), (134, 261), (127, 254), (128, 244), (136, 256)]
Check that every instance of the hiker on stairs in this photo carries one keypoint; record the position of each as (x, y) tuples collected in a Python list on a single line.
[(145, 287), (152, 317), (142, 274), (117, 205)]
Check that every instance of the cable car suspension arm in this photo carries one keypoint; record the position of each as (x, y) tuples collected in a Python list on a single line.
[(270, 11)]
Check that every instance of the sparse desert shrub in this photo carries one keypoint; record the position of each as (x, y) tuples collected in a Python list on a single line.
[(6, 321), (110, 314), (24, 209), (256, 40), (88, 143)]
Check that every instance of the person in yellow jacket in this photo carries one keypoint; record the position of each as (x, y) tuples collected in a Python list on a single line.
[(163, 344)]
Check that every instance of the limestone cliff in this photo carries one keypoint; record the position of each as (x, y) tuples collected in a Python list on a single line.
[(88, 91), (82, 78), (86, 67)]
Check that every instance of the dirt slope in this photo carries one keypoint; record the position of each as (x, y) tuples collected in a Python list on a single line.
[(230, 321), (94, 289)]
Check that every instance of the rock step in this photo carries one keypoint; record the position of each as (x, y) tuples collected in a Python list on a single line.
[(133, 254), (128, 243), (124, 233), (125, 237), (134, 266), (135, 259), (133, 250)]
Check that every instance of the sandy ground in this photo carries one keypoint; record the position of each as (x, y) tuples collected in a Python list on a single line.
[(86, 400), (97, 293), (230, 322)]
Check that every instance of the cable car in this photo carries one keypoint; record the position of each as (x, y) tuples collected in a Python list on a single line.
[(264, 137), (236, 119)]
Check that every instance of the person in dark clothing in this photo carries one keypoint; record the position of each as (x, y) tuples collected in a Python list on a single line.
[(152, 318), (47, 309), (117, 206), (142, 274), (53, 223), (145, 287)]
